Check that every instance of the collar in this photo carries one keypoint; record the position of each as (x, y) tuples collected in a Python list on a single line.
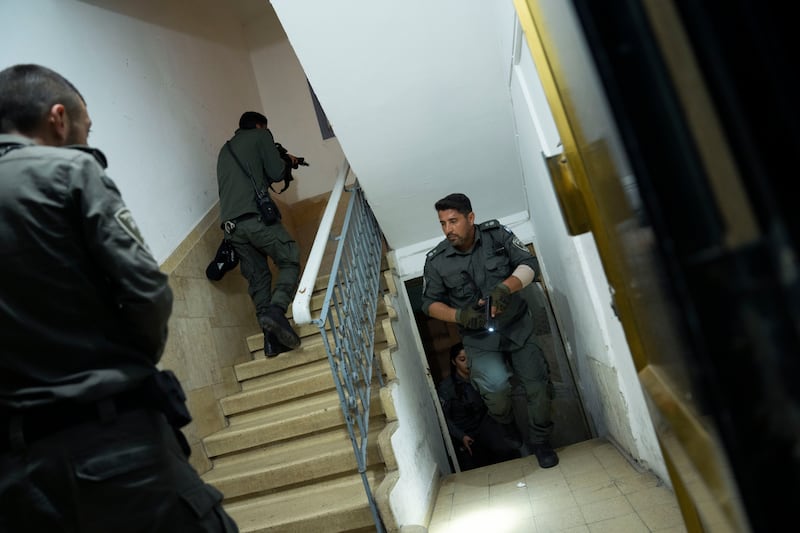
[(11, 141), (13, 138)]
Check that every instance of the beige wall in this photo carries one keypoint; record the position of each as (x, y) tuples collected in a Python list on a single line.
[(211, 320)]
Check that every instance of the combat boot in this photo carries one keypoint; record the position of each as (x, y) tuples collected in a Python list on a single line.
[(545, 454), (275, 322), (272, 346)]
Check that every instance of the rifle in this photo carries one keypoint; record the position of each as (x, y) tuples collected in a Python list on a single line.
[(292, 163)]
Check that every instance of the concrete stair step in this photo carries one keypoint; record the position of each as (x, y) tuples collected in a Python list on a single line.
[(334, 505), (308, 379), (309, 336), (283, 421), (311, 349), (263, 376), (285, 463), (293, 462)]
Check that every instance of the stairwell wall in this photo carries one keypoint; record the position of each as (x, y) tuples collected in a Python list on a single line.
[(421, 456)]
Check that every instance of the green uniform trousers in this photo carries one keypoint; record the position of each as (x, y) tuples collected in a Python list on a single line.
[(254, 241), (490, 375)]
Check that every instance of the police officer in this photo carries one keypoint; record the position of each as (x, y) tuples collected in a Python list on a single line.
[(88, 425), (473, 264), (251, 161)]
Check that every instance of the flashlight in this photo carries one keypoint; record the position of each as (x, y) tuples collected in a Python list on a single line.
[(489, 319)]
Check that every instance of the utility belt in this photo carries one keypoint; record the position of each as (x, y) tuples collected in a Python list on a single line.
[(160, 392), (230, 225)]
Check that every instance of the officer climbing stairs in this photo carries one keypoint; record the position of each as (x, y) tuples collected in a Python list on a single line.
[(285, 461)]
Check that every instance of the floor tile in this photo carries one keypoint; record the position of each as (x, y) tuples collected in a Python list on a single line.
[(596, 493), (622, 524), (553, 503), (603, 510), (558, 521), (594, 489), (469, 494), (661, 517), (651, 497)]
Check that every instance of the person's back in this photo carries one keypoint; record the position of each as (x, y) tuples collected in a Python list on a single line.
[(89, 427), (255, 148), (247, 165), (70, 328)]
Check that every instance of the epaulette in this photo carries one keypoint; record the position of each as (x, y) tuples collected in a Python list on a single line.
[(94, 152), (490, 224), (441, 247), (5, 148)]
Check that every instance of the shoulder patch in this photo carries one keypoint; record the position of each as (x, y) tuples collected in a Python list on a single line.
[(518, 243), (125, 219), (489, 224)]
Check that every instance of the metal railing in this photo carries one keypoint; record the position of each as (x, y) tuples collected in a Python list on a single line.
[(349, 312)]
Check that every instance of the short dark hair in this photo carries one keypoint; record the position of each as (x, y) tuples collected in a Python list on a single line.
[(456, 201), (250, 119), (28, 91)]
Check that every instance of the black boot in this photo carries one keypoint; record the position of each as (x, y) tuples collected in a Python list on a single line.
[(545, 454), (274, 321), (272, 346)]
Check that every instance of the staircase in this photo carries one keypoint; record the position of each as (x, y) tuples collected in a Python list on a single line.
[(285, 462)]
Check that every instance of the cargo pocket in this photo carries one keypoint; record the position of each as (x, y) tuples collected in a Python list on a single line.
[(107, 466)]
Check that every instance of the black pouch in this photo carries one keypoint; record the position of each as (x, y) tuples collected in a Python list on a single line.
[(166, 390), (269, 211)]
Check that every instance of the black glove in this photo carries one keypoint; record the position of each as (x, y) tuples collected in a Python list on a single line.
[(471, 317), (501, 297)]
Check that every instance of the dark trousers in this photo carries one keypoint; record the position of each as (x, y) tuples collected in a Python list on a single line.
[(254, 241), (488, 448), (126, 475)]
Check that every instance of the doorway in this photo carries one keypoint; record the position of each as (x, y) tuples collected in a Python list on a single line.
[(570, 422)]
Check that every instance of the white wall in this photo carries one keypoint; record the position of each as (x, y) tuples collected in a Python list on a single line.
[(287, 103), (593, 337), (417, 443), (161, 82), (415, 90), (165, 83)]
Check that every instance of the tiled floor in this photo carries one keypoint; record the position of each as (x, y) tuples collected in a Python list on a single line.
[(594, 489)]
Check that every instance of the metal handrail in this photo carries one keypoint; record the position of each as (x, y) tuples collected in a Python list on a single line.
[(349, 312), (301, 305)]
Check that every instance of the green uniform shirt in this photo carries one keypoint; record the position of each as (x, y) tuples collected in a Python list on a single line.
[(256, 149), (83, 304), (493, 257)]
